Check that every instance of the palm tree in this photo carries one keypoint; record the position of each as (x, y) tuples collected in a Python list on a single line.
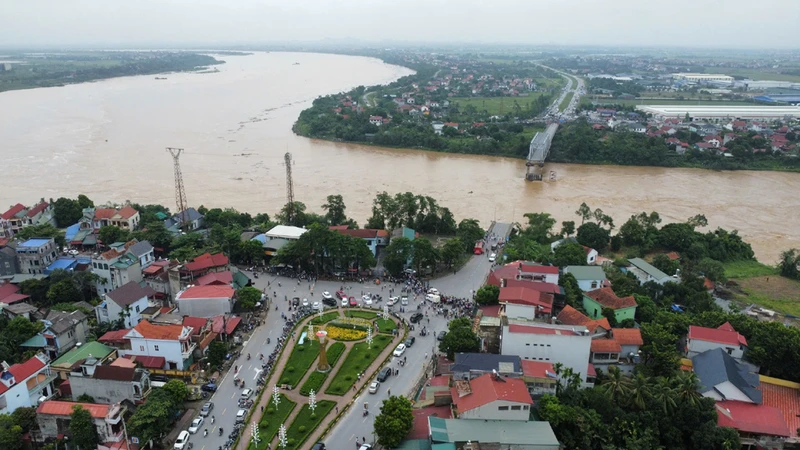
[(687, 384), (664, 394), (616, 384), (639, 391)]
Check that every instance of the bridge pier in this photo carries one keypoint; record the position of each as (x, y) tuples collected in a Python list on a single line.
[(534, 171)]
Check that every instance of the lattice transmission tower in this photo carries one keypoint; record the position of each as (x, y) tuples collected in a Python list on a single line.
[(287, 161), (180, 192)]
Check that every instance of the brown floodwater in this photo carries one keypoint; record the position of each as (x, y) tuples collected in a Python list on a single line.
[(107, 140)]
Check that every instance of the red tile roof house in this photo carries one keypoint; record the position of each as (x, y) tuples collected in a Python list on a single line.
[(620, 349), (700, 339), (525, 303), (53, 419), (204, 264), (173, 342), (205, 301), (492, 397), (571, 316), (539, 376), (23, 384)]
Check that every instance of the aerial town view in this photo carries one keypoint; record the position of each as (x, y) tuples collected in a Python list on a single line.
[(412, 226)]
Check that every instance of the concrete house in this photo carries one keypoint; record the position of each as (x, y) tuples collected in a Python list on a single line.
[(191, 216), (571, 316), (171, 344), (723, 378), (620, 349), (565, 344), (589, 277), (205, 301), (702, 339), (595, 301), (127, 302), (143, 251), (34, 255), (24, 384), (72, 362), (525, 303), (645, 272), (472, 365), (116, 267), (8, 262), (112, 384), (53, 418), (540, 377), (126, 218), (62, 331), (492, 397)]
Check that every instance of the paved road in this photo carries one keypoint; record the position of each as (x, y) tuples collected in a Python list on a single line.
[(225, 400), (354, 426)]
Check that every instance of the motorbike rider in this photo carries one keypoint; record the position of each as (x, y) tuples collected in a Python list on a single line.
[(248, 356), (220, 431)]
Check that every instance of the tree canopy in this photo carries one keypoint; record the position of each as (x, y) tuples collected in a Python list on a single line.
[(82, 431), (394, 422), (459, 338)]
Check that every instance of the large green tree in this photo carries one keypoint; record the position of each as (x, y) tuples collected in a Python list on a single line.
[(452, 251), (424, 255), (397, 254), (470, 232), (42, 231), (789, 263), (152, 419), (248, 297), (394, 422), (110, 234), (593, 235), (459, 339), (67, 212), (334, 210), (487, 295), (64, 291), (216, 354), (539, 226), (83, 433), (177, 390), (569, 254), (10, 433)]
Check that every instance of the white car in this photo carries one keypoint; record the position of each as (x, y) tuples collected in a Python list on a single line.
[(400, 350), (246, 393), (433, 291), (345, 301), (305, 302), (492, 257), (196, 424), (182, 441), (326, 294), (373, 388), (392, 301), (404, 301), (316, 306), (241, 415), (367, 299), (365, 447)]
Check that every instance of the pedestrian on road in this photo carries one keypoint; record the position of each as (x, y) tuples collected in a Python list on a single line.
[(337, 410)]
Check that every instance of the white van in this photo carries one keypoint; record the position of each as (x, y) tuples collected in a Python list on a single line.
[(433, 298)]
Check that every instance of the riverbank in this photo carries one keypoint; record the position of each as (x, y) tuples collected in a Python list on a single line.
[(55, 70)]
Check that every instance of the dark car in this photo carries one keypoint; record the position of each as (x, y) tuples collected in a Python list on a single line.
[(318, 446), (384, 374), (441, 335), (329, 301), (410, 341), (159, 378), (209, 387), (295, 301), (416, 317)]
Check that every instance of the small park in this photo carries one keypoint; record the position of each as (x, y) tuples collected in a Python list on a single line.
[(329, 358)]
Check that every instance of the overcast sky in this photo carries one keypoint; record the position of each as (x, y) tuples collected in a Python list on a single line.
[(109, 23)]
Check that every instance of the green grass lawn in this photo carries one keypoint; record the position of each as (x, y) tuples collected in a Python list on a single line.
[(359, 358), (327, 317), (361, 314), (748, 269), (770, 291), (299, 361), (494, 105), (272, 420), (565, 102), (317, 379), (386, 325), (305, 422)]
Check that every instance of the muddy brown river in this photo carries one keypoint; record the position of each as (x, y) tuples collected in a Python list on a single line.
[(107, 139)]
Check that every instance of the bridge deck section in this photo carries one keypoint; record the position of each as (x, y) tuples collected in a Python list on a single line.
[(540, 144)]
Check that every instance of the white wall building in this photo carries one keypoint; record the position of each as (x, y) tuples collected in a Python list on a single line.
[(589, 277), (492, 397), (569, 345), (205, 301), (703, 77), (23, 384), (171, 342), (126, 302), (701, 339)]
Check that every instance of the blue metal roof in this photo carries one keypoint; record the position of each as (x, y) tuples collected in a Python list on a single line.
[(35, 242), (72, 231), (61, 264)]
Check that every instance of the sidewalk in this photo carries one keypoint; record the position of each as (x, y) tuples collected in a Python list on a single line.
[(342, 402)]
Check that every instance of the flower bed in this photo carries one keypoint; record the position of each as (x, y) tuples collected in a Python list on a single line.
[(350, 322), (317, 379), (344, 334)]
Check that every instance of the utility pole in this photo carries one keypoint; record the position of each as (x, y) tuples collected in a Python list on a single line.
[(290, 212), (180, 192)]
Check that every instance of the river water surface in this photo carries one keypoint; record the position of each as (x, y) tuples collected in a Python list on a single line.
[(107, 140)]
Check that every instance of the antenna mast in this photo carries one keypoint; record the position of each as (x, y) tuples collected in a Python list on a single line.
[(180, 192), (287, 159)]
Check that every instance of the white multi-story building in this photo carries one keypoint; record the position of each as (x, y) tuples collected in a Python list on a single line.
[(126, 302), (36, 254), (569, 345), (703, 77), (116, 267), (25, 384), (171, 342)]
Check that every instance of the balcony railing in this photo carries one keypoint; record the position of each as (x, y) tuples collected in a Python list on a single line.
[(188, 352), (44, 383)]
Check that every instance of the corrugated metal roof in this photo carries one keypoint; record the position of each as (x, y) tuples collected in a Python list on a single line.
[(534, 434)]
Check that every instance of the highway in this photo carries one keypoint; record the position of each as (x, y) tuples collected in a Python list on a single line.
[(354, 427), (554, 111)]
